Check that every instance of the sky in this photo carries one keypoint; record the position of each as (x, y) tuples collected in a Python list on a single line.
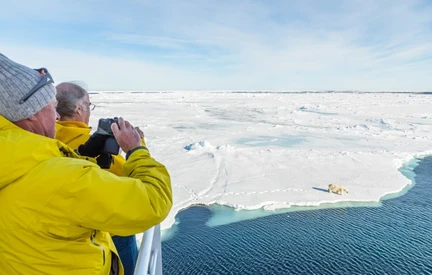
[(225, 45)]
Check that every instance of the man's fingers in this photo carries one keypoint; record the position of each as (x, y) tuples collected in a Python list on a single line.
[(126, 135), (121, 123), (141, 133), (115, 128)]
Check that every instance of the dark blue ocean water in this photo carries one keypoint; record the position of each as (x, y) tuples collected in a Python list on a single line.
[(395, 238)]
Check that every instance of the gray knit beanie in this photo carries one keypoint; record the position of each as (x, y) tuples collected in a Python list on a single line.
[(16, 81)]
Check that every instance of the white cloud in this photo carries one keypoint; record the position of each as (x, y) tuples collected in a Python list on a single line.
[(252, 45)]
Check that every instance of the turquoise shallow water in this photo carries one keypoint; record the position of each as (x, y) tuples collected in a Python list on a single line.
[(394, 238)]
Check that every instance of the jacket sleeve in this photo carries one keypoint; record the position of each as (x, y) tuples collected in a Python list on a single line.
[(120, 205), (118, 162)]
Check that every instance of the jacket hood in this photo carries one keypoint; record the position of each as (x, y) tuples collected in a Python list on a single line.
[(72, 132)]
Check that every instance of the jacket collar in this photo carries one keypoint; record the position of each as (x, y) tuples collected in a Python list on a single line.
[(67, 131)]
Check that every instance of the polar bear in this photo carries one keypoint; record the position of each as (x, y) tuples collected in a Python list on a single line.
[(338, 189)]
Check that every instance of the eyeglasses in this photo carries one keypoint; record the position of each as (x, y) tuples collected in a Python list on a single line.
[(46, 79), (92, 106)]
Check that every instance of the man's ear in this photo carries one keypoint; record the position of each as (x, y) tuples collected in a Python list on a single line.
[(78, 108)]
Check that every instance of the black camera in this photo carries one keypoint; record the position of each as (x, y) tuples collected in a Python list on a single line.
[(104, 128)]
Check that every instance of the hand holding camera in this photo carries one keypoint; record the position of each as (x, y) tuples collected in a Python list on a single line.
[(111, 135), (126, 135)]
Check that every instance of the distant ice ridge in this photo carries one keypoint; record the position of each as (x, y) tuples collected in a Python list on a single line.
[(407, 92), (199, 145), (312, 107), (206, 146), (270, 151)]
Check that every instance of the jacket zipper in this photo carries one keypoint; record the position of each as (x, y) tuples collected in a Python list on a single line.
[(98, 245)]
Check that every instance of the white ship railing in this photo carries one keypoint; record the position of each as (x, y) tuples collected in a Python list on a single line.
[(150, 254)]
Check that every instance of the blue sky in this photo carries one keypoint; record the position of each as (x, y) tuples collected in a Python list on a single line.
[(225, 45)]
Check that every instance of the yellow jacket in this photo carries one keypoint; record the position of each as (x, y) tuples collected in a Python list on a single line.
[(55, 206)]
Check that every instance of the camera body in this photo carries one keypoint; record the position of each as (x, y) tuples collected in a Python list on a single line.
[(104, 128)]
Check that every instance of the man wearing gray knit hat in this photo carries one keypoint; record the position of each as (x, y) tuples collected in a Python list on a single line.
[(56, 207), (16, 82), (25, 92)]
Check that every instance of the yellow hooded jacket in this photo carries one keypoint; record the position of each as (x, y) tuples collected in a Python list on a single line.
[(55, 206)]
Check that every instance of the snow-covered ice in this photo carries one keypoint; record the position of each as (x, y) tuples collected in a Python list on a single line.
[(275, 150)]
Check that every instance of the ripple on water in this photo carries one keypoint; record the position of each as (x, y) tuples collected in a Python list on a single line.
[(392, 239)]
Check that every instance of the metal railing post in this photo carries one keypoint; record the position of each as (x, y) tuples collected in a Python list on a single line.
[(150, 254)]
